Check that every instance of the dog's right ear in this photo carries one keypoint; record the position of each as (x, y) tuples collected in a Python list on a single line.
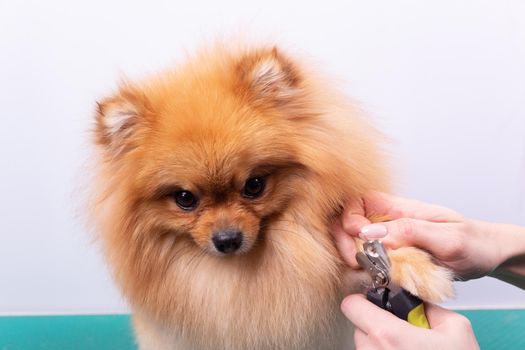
[(120, 119)]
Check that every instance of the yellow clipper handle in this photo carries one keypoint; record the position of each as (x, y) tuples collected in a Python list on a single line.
[(401, 303), (417, 317)]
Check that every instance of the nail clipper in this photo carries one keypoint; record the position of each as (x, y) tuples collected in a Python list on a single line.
[(387, 295)]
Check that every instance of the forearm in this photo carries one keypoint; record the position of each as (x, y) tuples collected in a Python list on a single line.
[(512, 255)]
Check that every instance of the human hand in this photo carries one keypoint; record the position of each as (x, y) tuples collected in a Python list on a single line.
[(379, 329), (470, 248)]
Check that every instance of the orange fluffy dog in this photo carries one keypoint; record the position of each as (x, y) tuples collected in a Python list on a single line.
[(219, 181)]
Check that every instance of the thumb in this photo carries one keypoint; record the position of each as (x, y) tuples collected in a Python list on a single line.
[(441, 318), (437, 315), (367, 316), (354, 218), (346, 245)]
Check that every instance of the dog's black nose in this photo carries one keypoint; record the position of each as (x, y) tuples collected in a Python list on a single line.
[(227, 241)]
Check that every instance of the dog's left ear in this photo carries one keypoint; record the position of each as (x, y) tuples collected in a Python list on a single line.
[(267, 76)]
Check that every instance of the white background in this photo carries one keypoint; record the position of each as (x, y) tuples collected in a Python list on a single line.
[(444, 79)]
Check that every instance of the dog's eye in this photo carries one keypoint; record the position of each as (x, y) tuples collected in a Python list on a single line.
[(254, 187), (185, 200)]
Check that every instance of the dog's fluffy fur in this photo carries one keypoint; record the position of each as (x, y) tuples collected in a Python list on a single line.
[(208, 125)]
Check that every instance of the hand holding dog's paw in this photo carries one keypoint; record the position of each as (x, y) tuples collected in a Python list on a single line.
[(414, 270)]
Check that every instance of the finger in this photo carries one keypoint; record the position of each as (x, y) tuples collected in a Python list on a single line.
[(352, 224), (354, 218), (436, 314), (345, 245), (366, 316), (382, 204), (437, 238), (360, 339), (439, 317)]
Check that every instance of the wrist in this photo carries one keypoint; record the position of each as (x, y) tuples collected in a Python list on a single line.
[(510, 248)]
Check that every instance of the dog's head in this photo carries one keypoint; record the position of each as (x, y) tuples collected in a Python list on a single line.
[(211, 151)]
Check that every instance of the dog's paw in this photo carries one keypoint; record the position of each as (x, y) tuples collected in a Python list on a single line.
[(414, 270)]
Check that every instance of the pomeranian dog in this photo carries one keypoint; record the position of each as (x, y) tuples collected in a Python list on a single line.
[(219, 181)]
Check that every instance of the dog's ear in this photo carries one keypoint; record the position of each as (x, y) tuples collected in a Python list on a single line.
[(120, 119), (268, 76)]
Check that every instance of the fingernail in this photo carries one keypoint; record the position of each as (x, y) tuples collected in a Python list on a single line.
[(373, 231)]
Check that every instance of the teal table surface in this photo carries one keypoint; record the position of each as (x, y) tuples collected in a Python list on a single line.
[(495, 329)]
